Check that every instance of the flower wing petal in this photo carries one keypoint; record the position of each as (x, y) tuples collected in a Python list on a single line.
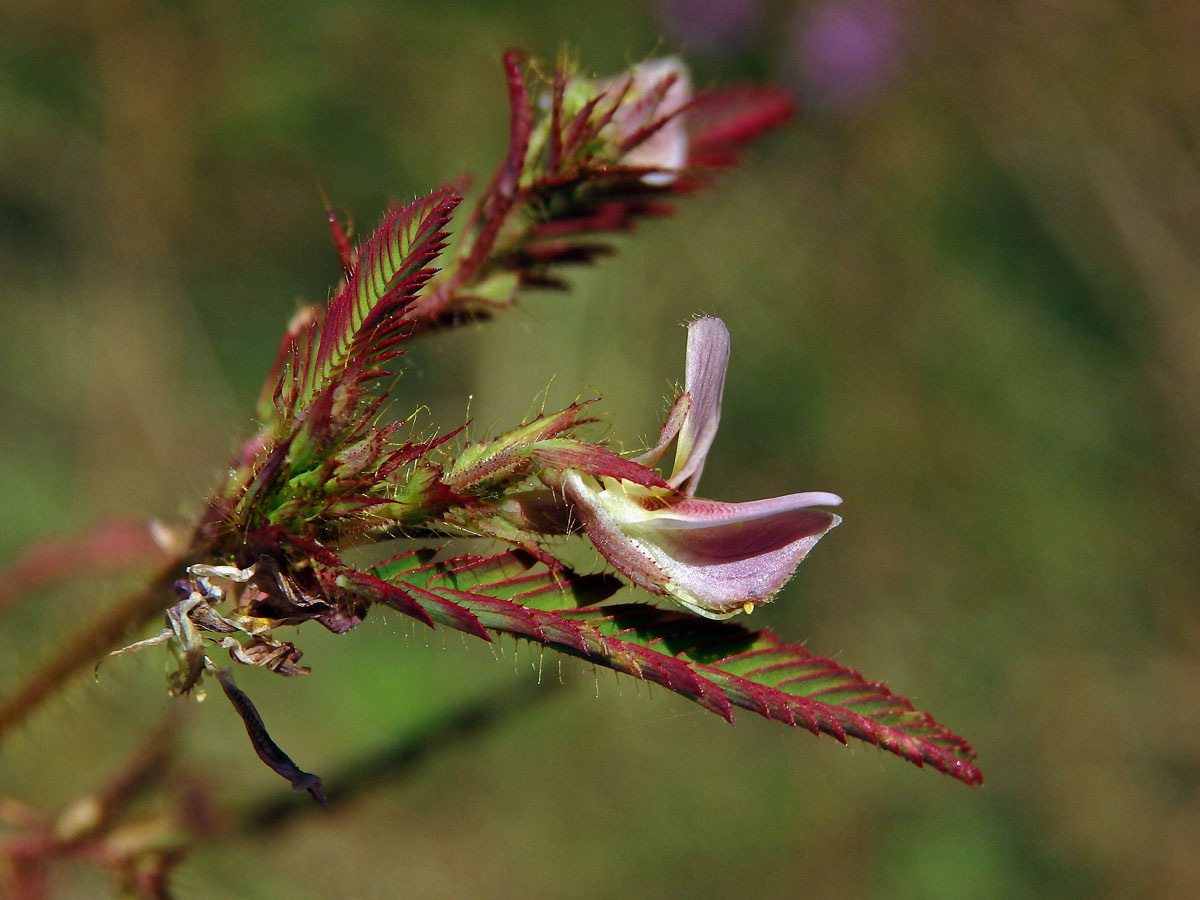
[(722, 558)]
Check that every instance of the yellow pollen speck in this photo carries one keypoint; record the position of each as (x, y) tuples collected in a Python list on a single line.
[(747, 607)]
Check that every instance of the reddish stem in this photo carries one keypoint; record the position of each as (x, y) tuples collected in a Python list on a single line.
[(92, 642)]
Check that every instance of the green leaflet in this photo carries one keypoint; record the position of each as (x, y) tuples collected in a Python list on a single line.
[(715, 663), (365, 320)]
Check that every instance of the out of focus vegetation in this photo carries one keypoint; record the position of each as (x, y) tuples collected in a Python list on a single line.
[(964, 293)]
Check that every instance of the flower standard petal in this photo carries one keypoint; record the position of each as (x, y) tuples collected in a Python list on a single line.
[(706, 362)]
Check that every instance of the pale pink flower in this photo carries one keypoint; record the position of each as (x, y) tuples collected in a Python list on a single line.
[(648, 127), (715, 558)]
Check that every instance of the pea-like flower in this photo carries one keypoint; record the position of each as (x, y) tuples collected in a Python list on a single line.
[(715, 558), (648, 125)]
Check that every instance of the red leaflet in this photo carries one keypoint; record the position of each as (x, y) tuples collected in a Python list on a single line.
[(717, 664), (364, 321), (723, 121)]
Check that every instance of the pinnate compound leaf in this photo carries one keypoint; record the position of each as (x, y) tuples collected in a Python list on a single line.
[(365, 320), (504, 190), (759, 672), (715, 663)]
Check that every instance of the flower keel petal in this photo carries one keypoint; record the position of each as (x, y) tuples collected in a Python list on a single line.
[(715, 558)]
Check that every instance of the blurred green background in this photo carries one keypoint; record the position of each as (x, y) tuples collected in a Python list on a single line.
[(962, 289)]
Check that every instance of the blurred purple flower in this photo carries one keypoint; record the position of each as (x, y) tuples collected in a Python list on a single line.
[(844, 51), (718, 27)]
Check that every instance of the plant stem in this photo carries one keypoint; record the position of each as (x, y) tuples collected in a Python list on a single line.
[(92, 642)]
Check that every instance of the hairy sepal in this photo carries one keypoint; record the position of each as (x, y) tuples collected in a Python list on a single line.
[(488, 465)]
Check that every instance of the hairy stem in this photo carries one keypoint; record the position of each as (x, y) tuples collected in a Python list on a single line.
[(93, 641)]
